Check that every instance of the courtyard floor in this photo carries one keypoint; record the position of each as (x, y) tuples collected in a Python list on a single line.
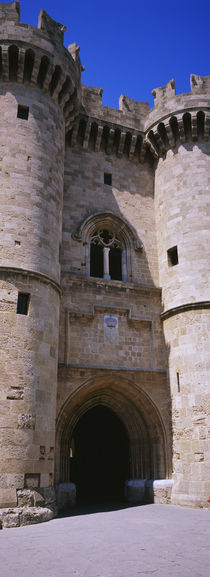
[(159, 540)]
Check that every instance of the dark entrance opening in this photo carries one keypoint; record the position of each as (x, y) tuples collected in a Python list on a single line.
[(100, 456)]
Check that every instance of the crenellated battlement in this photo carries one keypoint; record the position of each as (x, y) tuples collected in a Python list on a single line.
[(10, 12), (167, 102), (178, 118), (99, 128), (37, 57), (135, 131), (115, 131)]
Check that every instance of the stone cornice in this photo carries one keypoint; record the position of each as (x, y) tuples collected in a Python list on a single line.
[(32, 274), (110, 368), (85, 282), (185, 308)]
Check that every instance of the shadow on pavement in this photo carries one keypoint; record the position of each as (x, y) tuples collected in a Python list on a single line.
[(88, 508)]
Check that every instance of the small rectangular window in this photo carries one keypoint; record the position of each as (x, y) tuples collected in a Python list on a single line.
[(23, 112), (108, 178), (172, 256), (178, 382), (23, 303)]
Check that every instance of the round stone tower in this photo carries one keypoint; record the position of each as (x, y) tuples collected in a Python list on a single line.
[(39, 98), (177, 133)]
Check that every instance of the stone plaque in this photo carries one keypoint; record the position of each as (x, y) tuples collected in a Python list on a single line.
[(110, 329)]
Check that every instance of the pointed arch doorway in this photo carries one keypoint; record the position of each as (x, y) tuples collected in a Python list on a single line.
[(99, 456), (109, 431)]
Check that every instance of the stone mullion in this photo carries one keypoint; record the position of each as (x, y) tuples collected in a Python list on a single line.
[(106, 263)]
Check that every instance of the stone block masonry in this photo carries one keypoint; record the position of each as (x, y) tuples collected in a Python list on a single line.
[(104, 280)]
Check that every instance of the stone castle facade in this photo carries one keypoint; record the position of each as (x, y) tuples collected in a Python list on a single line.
[(104, 268)]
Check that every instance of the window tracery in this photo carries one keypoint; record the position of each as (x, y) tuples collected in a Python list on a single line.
[(107, 257)]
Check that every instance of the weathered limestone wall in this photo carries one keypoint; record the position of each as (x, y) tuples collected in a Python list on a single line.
[(85, 336), (35, 73), (32, 185), (129, 197), (86, 300), (31, 180), (182, 201), (122, 367), (29, 346), (187, 335), (182, 220)]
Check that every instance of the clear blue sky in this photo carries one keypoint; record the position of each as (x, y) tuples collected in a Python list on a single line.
[(132, 46)]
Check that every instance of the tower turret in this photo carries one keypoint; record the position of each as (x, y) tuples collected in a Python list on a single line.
[(40, 97), (177, 132)]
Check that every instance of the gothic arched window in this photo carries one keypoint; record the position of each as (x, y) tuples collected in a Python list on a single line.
[(109, 243), (107, 255)]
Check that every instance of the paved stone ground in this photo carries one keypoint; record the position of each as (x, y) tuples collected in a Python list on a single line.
[(159, 540)]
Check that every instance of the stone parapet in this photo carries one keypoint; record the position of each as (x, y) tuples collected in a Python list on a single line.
[(37, 57), (178, 119), (137, 133), (167, 102), (130, 113)]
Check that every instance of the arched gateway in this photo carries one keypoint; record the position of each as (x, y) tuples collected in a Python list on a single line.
[(99, 456), (108, 432)]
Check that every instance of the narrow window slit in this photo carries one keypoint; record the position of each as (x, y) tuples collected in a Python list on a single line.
[(172, 256), (23, 112), (178, 382), (23, 303), (108, 178)]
